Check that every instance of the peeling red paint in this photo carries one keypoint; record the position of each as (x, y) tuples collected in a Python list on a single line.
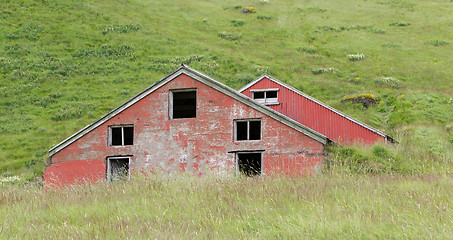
[(202, 144)]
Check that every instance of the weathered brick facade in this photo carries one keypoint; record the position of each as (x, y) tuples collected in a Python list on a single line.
[(204, 144)]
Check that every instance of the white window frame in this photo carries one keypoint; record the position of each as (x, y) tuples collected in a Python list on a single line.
[(238, 172), (248, 129), (122, 135), (266, 100), (109, 167), (170, 101)]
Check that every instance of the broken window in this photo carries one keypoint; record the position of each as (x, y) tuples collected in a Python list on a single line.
[(266, 96), (248, 130), (118, 168), (121, 135), (249, 164), (183, 104)]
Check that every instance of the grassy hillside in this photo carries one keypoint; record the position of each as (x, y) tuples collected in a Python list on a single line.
[(64, 63)]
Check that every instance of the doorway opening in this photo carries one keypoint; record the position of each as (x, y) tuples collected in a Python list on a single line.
[(118, 168), (250, 164)]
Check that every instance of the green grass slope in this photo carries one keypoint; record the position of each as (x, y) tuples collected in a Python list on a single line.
[(64, 63)]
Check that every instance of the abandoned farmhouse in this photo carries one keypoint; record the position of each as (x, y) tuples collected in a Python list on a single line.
[(188, 121)]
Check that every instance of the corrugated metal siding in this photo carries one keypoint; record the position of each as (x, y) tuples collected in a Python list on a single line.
[(315, 116)]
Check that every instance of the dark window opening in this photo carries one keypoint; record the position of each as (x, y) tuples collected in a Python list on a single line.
[(255, 130), (248, 130), (128, 135), (241, 130), (249, 164), (271, 94), (184, 104), (118, 169), (258, 95), (268, 97), (122, 135)]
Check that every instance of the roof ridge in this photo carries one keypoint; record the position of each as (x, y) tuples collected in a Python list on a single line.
[(314, 100), (204, 79)]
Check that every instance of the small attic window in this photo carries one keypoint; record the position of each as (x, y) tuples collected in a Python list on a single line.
[(121, 135), (265, 96), (183, 103)]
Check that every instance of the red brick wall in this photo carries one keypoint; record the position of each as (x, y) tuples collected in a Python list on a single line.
[(199, 145)]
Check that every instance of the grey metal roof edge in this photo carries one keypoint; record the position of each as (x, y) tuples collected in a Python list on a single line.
[(266, 110), (113, 112), (316, 101), (202, 78)]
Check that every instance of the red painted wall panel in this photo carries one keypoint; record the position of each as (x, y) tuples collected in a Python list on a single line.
[(199, 145), (316, 116), (74, 172)]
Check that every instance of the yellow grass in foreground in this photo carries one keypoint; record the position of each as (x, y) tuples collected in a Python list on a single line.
[(327, 206)]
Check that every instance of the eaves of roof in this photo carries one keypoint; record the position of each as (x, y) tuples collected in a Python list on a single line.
[(387, 137), (184, 69)]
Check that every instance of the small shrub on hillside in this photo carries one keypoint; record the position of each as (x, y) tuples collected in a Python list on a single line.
[(400, 111), (317, 71), (356, 57), (367, 159), (230, 36), (366, 100), (261, 69), (30, 31), (71, 112), (316, 9), (390, 45), (400, 24), (106, 51), (9, 180), (437, 43), (263, 17), (377, 30), (309, 49), (237, 7), (120, 28), (387, 81), (16, 50), (249, 10), (237, 23), (354, 78), (166, 65)]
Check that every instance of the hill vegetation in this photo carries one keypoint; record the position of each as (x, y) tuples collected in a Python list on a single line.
[(63, 64)]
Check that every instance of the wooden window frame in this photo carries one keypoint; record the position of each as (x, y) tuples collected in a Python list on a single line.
[(109, 167), (266, 100), (248, 129), (170, 102), (238, 172), (110, 141)]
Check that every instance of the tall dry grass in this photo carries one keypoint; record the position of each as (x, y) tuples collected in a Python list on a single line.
[(329, 205)]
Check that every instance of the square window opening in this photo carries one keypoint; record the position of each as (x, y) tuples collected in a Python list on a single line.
[(121, 135), (249, 164), (184, 104), (248, 130), (118, 168), (258, 95)]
